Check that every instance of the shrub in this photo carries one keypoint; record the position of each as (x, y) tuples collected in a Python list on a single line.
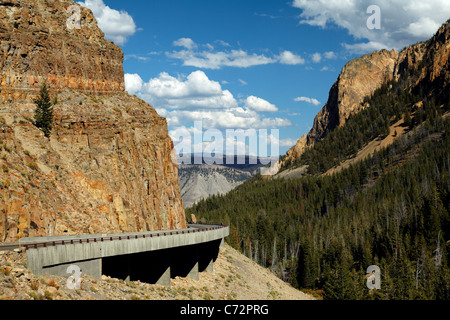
[(33, 295), (6, 270), (33, 166), (48, 295), (34, 285), (53, 283)]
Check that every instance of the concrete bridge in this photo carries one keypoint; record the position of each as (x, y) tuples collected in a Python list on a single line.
[(152, 257)]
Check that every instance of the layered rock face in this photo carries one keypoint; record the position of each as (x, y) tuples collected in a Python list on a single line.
[(358, 79), (436, 76), (362, 76), (108, 164), (36, 45)]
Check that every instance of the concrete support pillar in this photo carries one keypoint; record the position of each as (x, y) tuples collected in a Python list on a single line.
[(164, 279), (206, 258), (192, 263), (151, 267), (184, 262), (162, 262)]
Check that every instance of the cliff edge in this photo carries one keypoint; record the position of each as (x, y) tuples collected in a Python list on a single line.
[(107, 166), (360, 78)]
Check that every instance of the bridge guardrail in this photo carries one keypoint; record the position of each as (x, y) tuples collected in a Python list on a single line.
[(192, 228)]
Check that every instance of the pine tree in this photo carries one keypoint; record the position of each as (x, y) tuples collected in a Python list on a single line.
[(408, 120), (43, 117)]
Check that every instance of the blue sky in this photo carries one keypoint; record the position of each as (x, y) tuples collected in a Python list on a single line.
[(251, 64)]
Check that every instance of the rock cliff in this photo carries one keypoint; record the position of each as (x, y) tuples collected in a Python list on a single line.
[(107, 166), (363, 75), (36, 45), (359, 78)]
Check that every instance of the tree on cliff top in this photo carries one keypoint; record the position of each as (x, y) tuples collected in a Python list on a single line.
[(43, 116)]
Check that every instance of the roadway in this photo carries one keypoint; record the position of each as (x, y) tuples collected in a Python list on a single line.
[(61, 240)]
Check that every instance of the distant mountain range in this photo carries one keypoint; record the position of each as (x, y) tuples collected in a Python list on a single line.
[(203, 177)]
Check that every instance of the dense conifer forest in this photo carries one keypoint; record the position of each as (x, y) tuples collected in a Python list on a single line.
[(321, 232)]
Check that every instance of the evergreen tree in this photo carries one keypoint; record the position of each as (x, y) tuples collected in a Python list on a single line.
[(408, 119), (43, 116), (391, 210)]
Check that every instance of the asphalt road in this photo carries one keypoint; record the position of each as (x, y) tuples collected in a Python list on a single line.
[(9, 247)]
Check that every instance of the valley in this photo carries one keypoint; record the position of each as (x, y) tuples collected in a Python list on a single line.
[(369, 189)]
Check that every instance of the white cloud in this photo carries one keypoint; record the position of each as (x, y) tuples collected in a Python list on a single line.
[(287, 142), (133, 83), (260, 105), (402, 22), (185, 42), (423, 28), (316, 57), (308, 100), (223, 43), (117, 25), (220, 59), (287, 57), (193, 56), (137, 57), (330, 55), (195, 97), (244, 83), (197, 85)]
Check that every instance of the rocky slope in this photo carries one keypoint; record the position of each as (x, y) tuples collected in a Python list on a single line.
[(363, 75), (201, 181), (108, 165)]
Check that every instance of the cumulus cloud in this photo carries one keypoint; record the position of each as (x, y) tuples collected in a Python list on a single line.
[(308, 100), (186, 99), (117, 25), (196, 85), (185, 42), (220, 59), (316, 57), (133, 83), (260, 105), (193, 56), (402, 22), (287, 57), (330, 55)]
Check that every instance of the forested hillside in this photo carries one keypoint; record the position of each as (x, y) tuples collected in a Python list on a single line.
[(321, 232)]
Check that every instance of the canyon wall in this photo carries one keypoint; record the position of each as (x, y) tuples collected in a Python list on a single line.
[(362, 76), (107, 166)]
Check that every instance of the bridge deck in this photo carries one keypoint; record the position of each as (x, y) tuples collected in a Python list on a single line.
[(53, 254), (37, 242)]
